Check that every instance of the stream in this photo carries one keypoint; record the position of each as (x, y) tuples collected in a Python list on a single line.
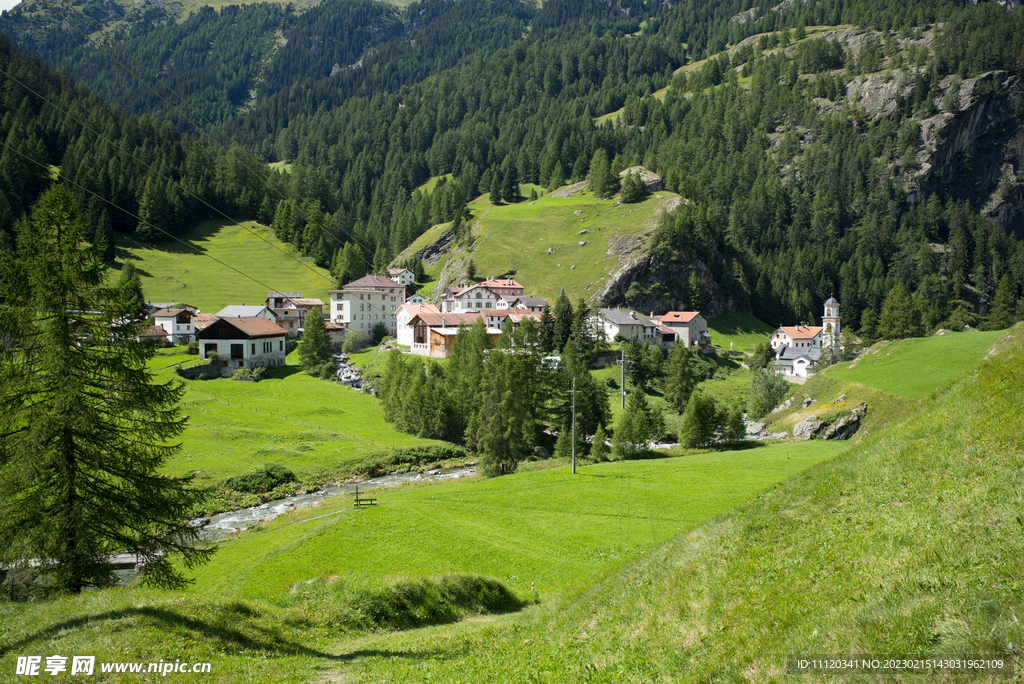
[(226, 525)]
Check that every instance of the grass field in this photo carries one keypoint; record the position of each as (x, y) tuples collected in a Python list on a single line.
[(916, 367), (173, 272), (303, 423), (740, 332), (517, 236)]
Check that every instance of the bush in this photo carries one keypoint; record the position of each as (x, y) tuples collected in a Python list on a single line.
[(384, 463), (192, 348), (261, 481), (250, 374), (354, 341)]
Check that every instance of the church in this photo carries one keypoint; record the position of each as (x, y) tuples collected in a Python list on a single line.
[(799, 347)]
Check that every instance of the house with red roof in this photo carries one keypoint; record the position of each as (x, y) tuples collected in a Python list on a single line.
[(690, 327)]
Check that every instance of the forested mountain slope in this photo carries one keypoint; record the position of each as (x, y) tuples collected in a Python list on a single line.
[(845, 164)]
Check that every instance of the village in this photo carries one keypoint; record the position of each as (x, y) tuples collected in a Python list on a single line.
[(388, 306)]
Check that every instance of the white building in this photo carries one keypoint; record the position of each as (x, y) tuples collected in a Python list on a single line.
[(243, 311), (797, 337), (690, 327), (535, 304), (176, 323), (253, 342), (493, 293), (402, 276), (364, 303), (832, 324), (629, 324), (404, 316), (798, 348)]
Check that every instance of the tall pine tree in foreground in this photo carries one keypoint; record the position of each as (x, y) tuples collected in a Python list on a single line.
[(315, 345), (84, 428)]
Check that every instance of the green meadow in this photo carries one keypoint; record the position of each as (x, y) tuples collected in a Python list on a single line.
[(175, 272), (916, 367), (517, 236), (546, 526), (303, 423)]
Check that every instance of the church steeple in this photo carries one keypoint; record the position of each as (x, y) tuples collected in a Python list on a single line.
[(831, 322)]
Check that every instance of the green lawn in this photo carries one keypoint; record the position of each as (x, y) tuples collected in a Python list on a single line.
[(740, 331), (917, 367), (544, 526), (303, 423), (173, 272), (517, 236)]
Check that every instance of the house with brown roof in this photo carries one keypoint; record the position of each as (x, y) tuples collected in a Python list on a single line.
[(403, 318), (433, 334), (402, 276), (291, 308), (798, 348), (243, 342)]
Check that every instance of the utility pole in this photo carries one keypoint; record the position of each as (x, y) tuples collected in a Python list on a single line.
[(573, 424)]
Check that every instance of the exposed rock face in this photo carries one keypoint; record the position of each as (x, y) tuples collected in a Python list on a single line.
[(653, 279), (845, 427), (651, 180), (808, 429)]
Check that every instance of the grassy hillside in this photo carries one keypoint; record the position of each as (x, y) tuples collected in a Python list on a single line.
[(303, 423), (911, 543), (172, 272), (516, 237)]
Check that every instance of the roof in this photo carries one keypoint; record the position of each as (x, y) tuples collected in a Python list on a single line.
[(501, 282), (246, 327), (290, 295), (790, 354), (307, 301), (398, 271), (449, 319), (619, 317), (333, 325), (463, 289), (801, 332), (236, 310), (665, 330), (170, 313), (371, 282), (529, 301), (455, 331), (413, 309), (679, 317), (501, 313), (153, 331), (831, 301), (200, 321)]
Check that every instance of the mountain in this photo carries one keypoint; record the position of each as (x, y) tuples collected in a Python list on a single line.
[(823, 147)]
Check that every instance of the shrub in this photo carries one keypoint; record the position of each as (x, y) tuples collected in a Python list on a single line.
[(261, 481), (192, 348), (251, 374), (354, 341)]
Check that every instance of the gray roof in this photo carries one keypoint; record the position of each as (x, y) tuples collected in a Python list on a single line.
[(275, 293), (619, 317), (236, 310), (831, 302), (788, 354), (529, 301)]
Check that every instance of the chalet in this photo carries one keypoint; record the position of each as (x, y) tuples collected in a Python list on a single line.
[(434, 333), (416, 299), (404, 316), (276, 300), (402, 276), (535, 304), (497, 318), (245, 342), (797, 337), (202, 320), (176, 324), (506, 288), (690, 327), (629, 324), (365, 302)]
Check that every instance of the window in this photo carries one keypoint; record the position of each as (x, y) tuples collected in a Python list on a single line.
[(280, 346), (253, 347), (237, 352)]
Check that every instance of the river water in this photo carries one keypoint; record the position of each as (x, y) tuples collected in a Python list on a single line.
[(226, 525)]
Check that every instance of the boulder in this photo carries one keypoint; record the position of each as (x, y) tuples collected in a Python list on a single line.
[(808, 401), (755, 428), (541, 452), (582, 242), (808, 429), (784, 406), (845, 427), (841, 398), (584, 231)]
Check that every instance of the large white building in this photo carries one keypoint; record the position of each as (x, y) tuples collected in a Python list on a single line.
[(798, 348), (404, 316), (253, 342), (629, 324), (493, 293), (364, 303)]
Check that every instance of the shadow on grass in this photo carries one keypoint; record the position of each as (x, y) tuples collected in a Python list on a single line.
[(265, 640)]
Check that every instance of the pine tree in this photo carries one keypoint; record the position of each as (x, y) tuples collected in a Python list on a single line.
[(564, 317), (603, 183), (599, 449), (680, 380), (86, 430), (1003, 313), (700, 421), (131, 283), (315, 346), (633, 188), (637, 425), (901, 317), (696, 294)]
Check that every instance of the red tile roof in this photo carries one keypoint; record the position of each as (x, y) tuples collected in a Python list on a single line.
[(247, 328), (679, 316), (801, 332)]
